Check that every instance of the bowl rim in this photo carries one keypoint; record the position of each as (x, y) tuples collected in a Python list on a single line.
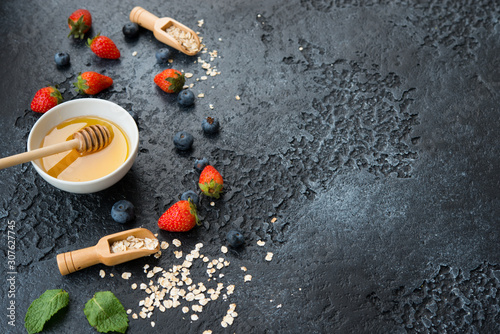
[(133, 145)]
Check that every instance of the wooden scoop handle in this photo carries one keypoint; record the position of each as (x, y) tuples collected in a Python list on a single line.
[(73, 261), (89, 139), (143, 18)]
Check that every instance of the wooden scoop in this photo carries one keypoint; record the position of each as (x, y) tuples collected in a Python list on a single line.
[(159, 26), (101, 253), (88, 140)]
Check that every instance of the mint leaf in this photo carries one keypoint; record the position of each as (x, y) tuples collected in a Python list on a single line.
[(43, 308), (105, 312)]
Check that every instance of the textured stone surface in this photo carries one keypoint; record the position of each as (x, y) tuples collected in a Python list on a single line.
[(368, 129)]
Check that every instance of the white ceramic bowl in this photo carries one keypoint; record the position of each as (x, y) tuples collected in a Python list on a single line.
[(78, 108)]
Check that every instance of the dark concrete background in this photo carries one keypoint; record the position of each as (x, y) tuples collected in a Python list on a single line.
[(369, 129)]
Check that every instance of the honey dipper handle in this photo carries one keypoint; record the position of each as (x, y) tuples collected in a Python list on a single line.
[(38, 153), (73, 261), (143, 18)]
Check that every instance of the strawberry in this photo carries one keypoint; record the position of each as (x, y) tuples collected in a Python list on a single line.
[(92, 82), (45, 99), (170, 80), (104, 47), (79, 22), (180, 217), (210, 182)]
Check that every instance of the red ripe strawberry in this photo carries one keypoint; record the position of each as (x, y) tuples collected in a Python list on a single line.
[(92, 82), (45, 99), (211, 182), (180, 217), (104, 47), (79, 22), (170, 80)]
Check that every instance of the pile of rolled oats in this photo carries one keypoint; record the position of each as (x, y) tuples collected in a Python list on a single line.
[(132, 242), (186, 38), (174, 287)]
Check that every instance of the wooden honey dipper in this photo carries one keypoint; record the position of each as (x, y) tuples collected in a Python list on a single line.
[(89, 139)]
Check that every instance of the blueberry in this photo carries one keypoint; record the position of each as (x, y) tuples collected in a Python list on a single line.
[(235, 238), (131, 30), (190, 194), (162, 55), (123, 212), (183, 140), (210, 125), (61, 59), (185, 98), (200, 164)]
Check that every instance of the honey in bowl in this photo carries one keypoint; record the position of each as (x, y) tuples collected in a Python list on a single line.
[(77, 167)]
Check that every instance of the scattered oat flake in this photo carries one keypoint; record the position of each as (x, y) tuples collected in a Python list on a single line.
[(261, 243), (269, 256), (248, 278), (279, 306), (194, 317), (164, 245), (274, 220), (134, 286), (212, 203), (238, 97), (223, 249), (229, 319), (152, 324), (134, 316), (176, 242), (188, 75), (126, 275), (211, 106), (201, 95), (244, 268), (200, 22), (208, 331), (102, 273)]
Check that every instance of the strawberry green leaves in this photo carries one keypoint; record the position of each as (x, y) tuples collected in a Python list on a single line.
[(105, 312), (43, 308)]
